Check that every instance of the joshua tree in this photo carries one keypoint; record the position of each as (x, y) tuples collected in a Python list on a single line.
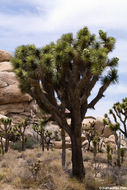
[(89, 132), (5, 131), (122, 153), (114, 127), (119, 114), (61, 76), (63, 148), (109, 156), (57, 136), (20, 131), (48, 136), (1, 142), (95, 141), (39, 128)]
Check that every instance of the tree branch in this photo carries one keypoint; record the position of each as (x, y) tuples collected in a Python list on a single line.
[(54, 110), (99, 95)]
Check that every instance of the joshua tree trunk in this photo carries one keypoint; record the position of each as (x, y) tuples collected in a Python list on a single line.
[(95, 152), (63, 148), (118, 149), (42, 143), (77, 158), (23, 142), (6, 143), (117, 139), (78, 169), (48, 146), (2, 146), (88, 145)]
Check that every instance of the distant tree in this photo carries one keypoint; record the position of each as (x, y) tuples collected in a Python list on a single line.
[(39, 128), (109, 156), (95, 142), (90, 132), (114, 127), (5, 132), (2, 150), (119, 114), (61, 76), (122, 153), (48, 137), (20, 131)]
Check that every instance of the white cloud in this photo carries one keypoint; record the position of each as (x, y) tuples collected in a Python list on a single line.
[(60, 16), (64, 15), (117, 90)]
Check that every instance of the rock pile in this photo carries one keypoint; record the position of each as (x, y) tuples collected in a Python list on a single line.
[(13, 103)]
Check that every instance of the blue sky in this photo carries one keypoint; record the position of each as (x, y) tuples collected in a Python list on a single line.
[(41, 21)]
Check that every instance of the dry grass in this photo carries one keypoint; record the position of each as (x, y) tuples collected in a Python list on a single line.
[(36, 170)]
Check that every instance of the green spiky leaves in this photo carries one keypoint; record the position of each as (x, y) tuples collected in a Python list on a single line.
[(57, 62), (111, 76), (119, 115)]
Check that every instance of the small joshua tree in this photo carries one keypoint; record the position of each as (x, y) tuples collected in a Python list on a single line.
[(5, 132), (122, 152), (90, 133), (1, 142), (109, 156), (48, 136), (56, 136), (119, 114), (20, 130), (45, 135), (95, 141), (114, 127), (39, 128)]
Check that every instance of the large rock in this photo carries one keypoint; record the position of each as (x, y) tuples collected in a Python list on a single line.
[(99, 127), (15, 108), (110, 139), (9, 90), (3, 116), (67, 140), (13, 103), (5, 56), (6, 66), (58, 145)]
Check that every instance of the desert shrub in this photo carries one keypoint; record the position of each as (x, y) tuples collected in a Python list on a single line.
[(2, 176), (30, 144), (17, 146), (90, 183)]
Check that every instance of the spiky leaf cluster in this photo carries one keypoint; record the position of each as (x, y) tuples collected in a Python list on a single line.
[(55, 60), (6, 132), (39, 128), (67, 70), (5, 126), (119, 114), (95, 140), (21, 127)]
